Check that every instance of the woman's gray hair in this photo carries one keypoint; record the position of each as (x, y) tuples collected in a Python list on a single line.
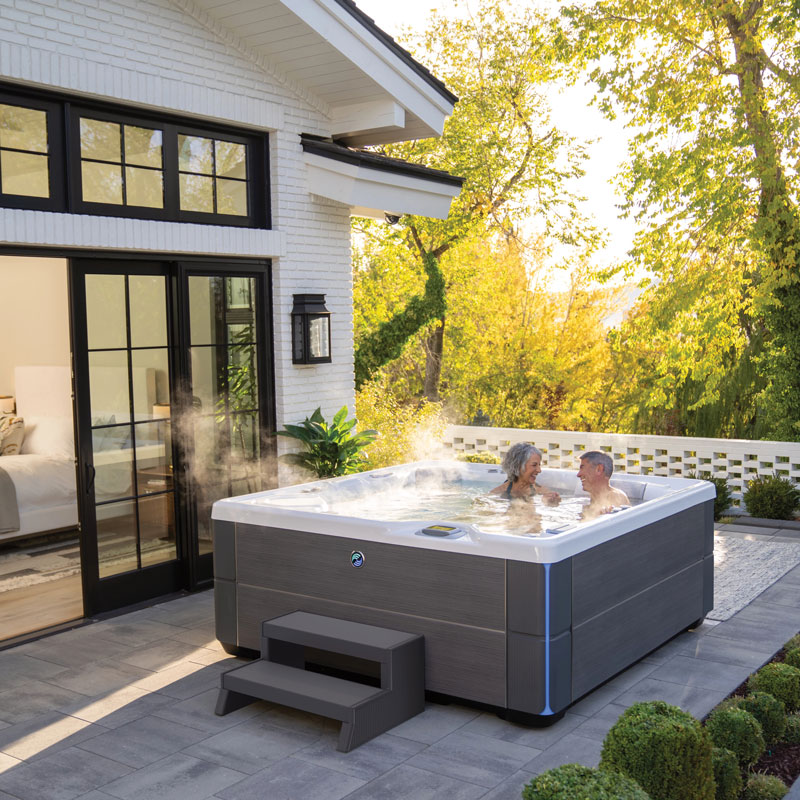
[(517, 457)]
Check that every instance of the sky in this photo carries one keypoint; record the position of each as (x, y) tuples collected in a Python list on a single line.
[(571, 112)]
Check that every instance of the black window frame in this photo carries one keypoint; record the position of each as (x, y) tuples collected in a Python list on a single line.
[(55, 153), (64, 142)]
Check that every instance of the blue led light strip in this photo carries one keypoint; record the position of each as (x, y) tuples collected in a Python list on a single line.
[(547, 709)]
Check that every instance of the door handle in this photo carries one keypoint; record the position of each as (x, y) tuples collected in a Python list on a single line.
[(90, 476)]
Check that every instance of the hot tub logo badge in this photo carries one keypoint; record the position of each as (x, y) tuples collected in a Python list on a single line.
[(357, 558)]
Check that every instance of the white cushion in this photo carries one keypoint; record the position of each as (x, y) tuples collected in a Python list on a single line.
[(49, 436)]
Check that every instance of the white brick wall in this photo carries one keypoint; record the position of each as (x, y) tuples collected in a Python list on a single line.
[(169, 55)]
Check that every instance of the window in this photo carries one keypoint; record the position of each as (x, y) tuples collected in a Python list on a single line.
[(117, 164), (121, 164), (26, 161)]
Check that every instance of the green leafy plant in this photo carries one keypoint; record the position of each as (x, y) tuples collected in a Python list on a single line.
[(571, 781), (772, 497), (764, 787), (793, 642), (724, 498), (770, 713), (331, 449), (665, 750), (793, 657), (739, 731), (482, 457), (779, 680), (791, 734), (727, 775)]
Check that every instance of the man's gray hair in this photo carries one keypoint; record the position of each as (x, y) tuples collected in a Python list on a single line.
[(595, 457), (517, 457)]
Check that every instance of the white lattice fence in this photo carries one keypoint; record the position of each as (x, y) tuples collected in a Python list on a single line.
[(737, 460)]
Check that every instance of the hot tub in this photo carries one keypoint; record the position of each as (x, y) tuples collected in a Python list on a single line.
[(526, 622)]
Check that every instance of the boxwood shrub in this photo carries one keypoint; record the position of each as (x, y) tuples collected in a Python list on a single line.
[(793, 657), (772, 497), (779, 680), (770, 713), (572, 781), (665, 750), (792, 733), (724, 498), (727, 775), (764, 787), (739, 731)]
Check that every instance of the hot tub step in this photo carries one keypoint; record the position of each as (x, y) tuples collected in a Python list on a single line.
[(364, 711)]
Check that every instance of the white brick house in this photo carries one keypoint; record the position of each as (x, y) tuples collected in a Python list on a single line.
[(153, 152)]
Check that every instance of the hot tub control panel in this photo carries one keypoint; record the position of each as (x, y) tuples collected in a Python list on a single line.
[(442, 531)]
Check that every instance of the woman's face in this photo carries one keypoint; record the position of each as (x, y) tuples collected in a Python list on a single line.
[(532, 468)]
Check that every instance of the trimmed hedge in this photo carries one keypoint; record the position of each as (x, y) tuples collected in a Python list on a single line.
[(571, 781), (793, 657), (727, 775), (665, 750), (792, 733), (739, 731), (770, 713), (779, 680), (764, 787), (772, 497)]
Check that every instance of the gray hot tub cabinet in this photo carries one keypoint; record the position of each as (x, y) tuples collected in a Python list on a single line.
[(526, 638)]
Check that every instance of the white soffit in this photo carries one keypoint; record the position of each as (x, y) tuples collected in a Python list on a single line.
[(374, 91), (372, 192)]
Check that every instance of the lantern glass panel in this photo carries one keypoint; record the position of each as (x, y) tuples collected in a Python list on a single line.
[(319, 339)]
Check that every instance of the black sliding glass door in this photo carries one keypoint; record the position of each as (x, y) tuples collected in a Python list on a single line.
[(174, 391)]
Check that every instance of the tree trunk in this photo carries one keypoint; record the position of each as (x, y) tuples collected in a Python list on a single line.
[(434, 345)]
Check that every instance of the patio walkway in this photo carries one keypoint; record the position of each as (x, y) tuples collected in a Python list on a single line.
[(124, 708)]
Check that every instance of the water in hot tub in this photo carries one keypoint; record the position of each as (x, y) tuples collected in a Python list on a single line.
[(463, 501)]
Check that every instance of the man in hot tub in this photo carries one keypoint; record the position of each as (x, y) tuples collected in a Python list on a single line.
[(595, 473)]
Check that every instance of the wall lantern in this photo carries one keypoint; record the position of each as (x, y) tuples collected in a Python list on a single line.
[(311, 330)]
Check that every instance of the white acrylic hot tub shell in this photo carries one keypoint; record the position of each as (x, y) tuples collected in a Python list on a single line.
[(302, 508)]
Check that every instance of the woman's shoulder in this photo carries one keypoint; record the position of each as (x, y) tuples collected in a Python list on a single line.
[(499, 489)]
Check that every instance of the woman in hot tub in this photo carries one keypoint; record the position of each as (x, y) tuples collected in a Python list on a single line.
[(523, 463)]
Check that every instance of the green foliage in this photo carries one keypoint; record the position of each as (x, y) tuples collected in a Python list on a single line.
[(764, 787), (331, 449), (406, 431), (737, 730), (665, 750), (793, 642), (770, 713), (481, 457), (727, 775), (791, 734), (772, 497), (781, 681), (792, 657), (724, 498), (572, 781)]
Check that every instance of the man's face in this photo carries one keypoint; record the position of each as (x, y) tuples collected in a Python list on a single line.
[(589, 473), (533, 466)]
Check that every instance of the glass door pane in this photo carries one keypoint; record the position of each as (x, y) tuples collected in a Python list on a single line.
[(130, 412), (223, 358)]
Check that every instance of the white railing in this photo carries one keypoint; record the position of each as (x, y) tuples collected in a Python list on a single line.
[(736, 460)]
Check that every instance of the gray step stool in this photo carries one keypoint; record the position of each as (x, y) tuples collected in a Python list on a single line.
[(364, 711)]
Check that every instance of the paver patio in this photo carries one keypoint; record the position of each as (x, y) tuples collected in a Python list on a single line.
[(124, 708)]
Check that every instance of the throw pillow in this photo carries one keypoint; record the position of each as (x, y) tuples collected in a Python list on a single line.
[(12, 432)]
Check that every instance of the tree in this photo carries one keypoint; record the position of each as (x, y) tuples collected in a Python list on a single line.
[(499, 138), (713, 87)]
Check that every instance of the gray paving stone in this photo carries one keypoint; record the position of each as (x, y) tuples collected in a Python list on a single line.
[(591, 703), (727, 651), (117, 708), (632, 675), (489, 724), (163, 654), (671, 648), (792, 577), (779, 617), (61, 776), (435, 722), (568, 750), (365, 762), (694, 699), (182, 681), (410, 783), (474, 758), (250, 746), (45, 735), (75, 648), (511, 788), (17, 669), (134, 634), (699, 672), (143, 741), (756, 633), (177, 777), (290, 779), (300, 721), (597, 727), (37, 698), (97, 678), (198, 712)]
